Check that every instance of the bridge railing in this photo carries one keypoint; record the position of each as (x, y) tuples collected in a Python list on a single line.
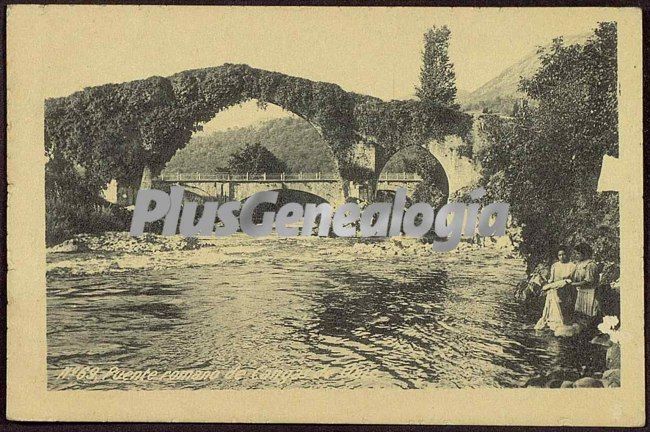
[(197, 176), (247, 176), (399, 176)]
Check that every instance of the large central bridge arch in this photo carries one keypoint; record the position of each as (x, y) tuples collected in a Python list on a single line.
[(204, 93)]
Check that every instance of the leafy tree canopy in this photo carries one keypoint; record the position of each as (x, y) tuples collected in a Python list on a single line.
[(255, 159), (437, 76), (547, 160)]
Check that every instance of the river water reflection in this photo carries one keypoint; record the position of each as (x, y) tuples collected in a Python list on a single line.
[(313, 307)]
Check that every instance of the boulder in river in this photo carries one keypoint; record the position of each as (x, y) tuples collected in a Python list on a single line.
[(612, 378), (588, 382), (536, 381), (568, 330), (554, 383), (563, 375), (613, 357), (69, 246)]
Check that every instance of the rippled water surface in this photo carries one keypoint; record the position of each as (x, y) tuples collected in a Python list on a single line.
[(310, 308)]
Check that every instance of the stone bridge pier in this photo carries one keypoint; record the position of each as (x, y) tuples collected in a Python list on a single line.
[(393, 183), (461, 171)]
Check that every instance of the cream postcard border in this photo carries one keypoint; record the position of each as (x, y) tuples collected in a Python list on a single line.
[(29, 399)]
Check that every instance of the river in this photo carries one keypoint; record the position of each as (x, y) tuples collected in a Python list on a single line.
[(294, 313)]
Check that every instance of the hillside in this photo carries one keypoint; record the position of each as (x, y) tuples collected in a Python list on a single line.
[(500, 93), (292, 140)]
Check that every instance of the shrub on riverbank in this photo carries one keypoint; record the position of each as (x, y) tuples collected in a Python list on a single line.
[(72, 206), (546, 160), (65, 219)]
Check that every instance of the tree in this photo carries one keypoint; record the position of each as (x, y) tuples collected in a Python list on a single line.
[(546, 161), (73, 206), (255, 159), (437, 76), (434, 185), (428, 192)]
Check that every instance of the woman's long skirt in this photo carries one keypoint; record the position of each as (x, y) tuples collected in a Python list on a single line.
[(552, 314), (586, 303)]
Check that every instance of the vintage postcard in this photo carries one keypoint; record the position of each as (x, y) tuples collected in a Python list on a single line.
[(325, 214)]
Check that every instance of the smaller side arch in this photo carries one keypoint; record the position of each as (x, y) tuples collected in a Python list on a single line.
[(415, 159)]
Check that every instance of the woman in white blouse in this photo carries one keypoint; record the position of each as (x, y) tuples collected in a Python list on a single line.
[(559, 279)]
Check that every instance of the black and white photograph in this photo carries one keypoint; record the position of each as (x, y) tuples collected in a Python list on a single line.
[(289, 198)]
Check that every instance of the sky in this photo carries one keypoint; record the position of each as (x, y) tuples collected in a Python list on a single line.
[(375, 51)]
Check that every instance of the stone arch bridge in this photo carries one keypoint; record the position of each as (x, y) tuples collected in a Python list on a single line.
[(150, 119)]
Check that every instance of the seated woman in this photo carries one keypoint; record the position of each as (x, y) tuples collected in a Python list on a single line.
[(585, 280), (556, 291)]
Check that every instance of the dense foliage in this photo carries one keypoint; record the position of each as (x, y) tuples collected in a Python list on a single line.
[(437, 76), (399, 124), (74, 207), (292, 140), (255, 159), (546, 161), (434, 187), (112, 130)]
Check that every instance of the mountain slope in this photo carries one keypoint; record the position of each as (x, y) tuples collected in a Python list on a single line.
[(292, 140), (500, 93)]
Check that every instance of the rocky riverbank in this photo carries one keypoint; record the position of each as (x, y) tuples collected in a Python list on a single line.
[(113, 241), (408, 246), (610, 376), (119, 252), (572, 379), (123, 242)]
